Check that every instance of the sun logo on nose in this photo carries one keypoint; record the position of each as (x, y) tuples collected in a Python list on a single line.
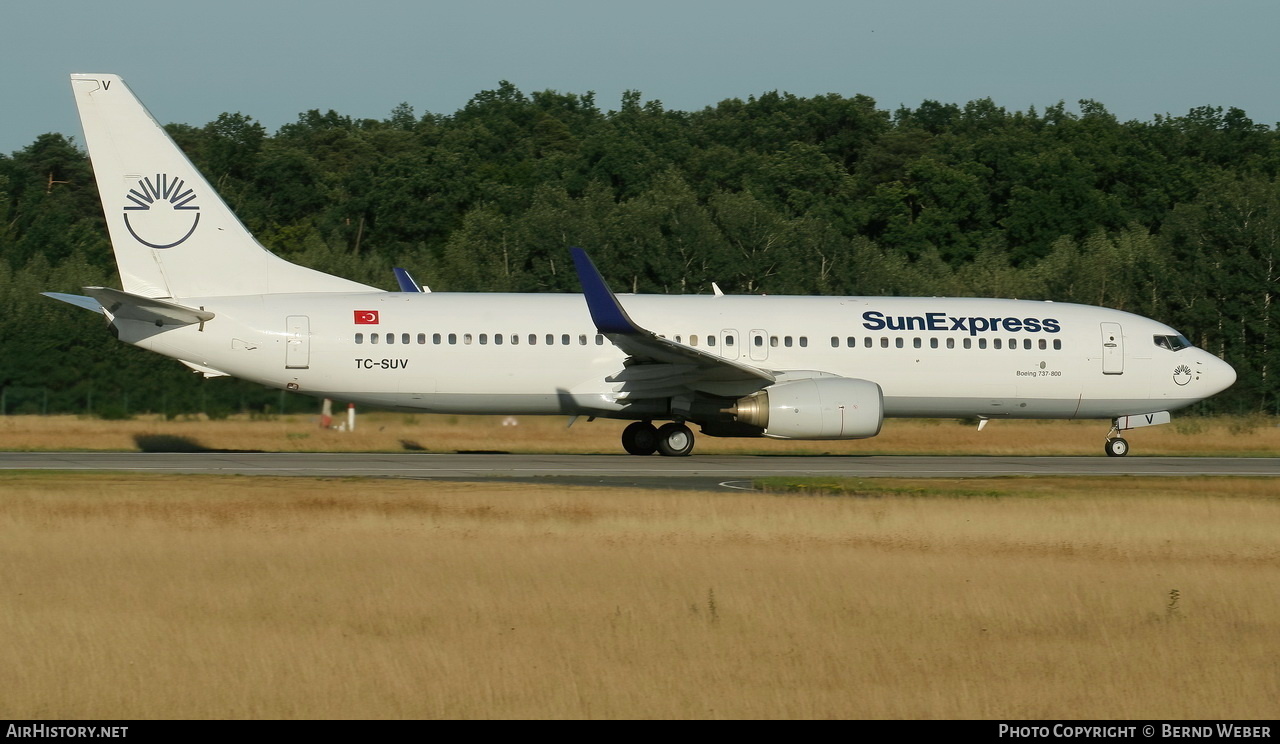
[(1182, 374), (162, 211)]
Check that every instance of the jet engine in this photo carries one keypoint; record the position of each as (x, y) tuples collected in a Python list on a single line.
[(814, 408)]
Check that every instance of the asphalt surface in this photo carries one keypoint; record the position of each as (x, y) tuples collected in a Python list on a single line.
[(700, 472)]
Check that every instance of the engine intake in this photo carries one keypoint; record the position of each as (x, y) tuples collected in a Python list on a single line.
[(816, 408)]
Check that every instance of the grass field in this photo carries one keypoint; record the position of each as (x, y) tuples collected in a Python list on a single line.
[(130, 596), (1256, 436)]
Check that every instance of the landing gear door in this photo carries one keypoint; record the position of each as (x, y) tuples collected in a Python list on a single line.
[(1112, 349), (297, 342)]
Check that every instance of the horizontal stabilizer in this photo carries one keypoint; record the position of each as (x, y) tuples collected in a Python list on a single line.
[(127, 306), (88, 303), (206, 371)]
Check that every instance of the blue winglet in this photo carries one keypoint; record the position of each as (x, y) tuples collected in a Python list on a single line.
[(406, 282), (606, 312)]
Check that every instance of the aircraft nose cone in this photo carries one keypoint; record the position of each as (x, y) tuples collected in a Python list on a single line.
[(1220, 374)]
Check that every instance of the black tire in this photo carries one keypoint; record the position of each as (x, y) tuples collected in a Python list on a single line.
[(1117, 447), (675, 440), (640, 438)]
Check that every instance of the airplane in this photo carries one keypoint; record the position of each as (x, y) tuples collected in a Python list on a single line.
[(197, 287)]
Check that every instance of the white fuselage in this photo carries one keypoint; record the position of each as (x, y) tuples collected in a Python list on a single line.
[(541, 353)]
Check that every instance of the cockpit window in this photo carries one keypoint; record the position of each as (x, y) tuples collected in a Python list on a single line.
[(1172, 343)]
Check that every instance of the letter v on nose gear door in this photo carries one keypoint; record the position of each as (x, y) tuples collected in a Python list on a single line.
[(1112, 349)]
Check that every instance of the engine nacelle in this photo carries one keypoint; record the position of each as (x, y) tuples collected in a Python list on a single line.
[(815, 408)]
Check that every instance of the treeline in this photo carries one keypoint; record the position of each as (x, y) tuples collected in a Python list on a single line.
[(1177, 218)]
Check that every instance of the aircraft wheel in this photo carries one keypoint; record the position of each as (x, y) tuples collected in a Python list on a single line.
[(640, 438), (1117, 447), (675, 440)]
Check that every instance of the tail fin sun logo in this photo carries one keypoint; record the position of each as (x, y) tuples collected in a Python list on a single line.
[(161, 210)]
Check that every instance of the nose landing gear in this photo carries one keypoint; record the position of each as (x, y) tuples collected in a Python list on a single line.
[(1116, 446)]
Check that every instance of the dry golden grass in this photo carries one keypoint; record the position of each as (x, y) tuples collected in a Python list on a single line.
[(386, 432), (129, 596)]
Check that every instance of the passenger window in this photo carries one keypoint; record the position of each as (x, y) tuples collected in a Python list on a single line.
[(728, 340), (373, 338), (835, 342), (899, 342), (916, 343), (1043, 344), (933, 343), (422, 338), (404, 338), (582, 339), (515, 339), (968, 343), (435, 338), (391, 338), (497, 339), (868, 342), (599, 340), (786, 341), (1026, 343), (982, 343), (466, 338), (711, 340), (758, 341), (851, 342), (995, 344), (804, 342), (884, 342), (564, 339), (951, 343), (484, 339), (773, 341), (359, 338), (1057, 344), (453, 338)]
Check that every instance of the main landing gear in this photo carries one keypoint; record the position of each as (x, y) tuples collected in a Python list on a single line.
[(671, 440)]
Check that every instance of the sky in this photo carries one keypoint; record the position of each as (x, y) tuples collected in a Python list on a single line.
[(274, 59)]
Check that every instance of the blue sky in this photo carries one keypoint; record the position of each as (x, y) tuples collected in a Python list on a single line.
[(272, 59)]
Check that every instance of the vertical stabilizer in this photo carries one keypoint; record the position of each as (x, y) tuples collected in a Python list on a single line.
[(173, 236)]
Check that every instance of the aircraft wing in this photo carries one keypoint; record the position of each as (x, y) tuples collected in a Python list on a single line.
[(656, 367)]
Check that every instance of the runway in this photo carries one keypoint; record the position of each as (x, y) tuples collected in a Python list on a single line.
[(701, 472)]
